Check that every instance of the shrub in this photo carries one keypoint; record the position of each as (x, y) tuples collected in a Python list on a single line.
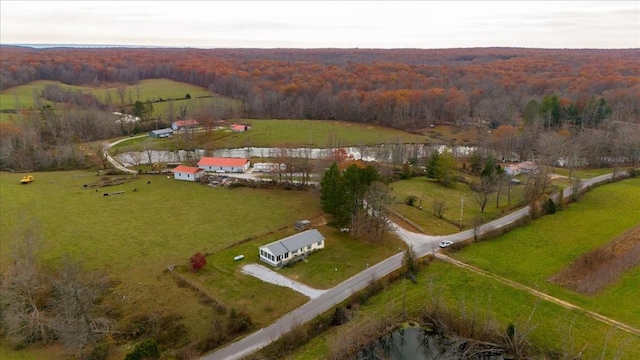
[(198, 261), (549, 206), (411, 200), (147, 349)]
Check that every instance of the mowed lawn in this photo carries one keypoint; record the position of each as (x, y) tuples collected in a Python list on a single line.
[(533, 253), (474, 296), (427, 191)]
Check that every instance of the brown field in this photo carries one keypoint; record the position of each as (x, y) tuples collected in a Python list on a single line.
[(596, 269)]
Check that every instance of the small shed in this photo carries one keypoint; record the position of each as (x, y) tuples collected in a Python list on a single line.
[(187, 173), (301, 225), (161, 133)]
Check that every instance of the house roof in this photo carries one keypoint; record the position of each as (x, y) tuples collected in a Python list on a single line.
[(294, 242), (210, 161), (186, 122), (162, 131), (186, 169)]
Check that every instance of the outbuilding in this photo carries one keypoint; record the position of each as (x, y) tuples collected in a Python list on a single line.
[(184, 124), (161, 133), (188, 173), (233, 165), (292, 248)]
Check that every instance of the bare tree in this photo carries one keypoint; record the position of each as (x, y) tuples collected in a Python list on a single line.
[(76, 293), (24, 289), (439, 206)]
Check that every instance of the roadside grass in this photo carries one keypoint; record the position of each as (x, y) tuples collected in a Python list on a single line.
[(427, 191), (582, 173), (532, 253), (317, 133), (135, 236), (478, 299), (343, 253)]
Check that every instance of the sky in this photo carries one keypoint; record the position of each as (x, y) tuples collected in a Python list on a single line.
[(324, 24)]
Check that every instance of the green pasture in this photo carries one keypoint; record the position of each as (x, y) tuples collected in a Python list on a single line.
[(317, 133), (220, 104), (474, 296), (136, 236), (426, 191), (532, 253), (149, 90)]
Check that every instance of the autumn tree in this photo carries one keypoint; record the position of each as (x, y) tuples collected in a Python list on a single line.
[(198, 261)]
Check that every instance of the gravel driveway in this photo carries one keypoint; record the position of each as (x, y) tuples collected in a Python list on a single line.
[(272, 277)]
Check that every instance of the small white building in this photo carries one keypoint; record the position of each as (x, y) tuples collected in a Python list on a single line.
[(268, 167), (291, 248), (233, 165), (188, 173)]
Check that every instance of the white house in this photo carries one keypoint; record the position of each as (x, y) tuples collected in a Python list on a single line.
[(294, 247), (187, 173), (526, 167), (234, 165)]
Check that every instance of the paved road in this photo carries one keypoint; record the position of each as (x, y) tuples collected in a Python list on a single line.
[(422, 245)]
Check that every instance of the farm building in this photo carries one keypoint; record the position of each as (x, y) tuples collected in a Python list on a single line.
[(526, 167), (161, 133), (240, 127), (234, 165), (187, 173), (268, 167), (292, 248), (184, 124)]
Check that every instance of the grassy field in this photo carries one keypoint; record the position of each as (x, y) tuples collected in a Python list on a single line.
[(135, 236), (25, 96), (317, 133), (472, 294), (531, 254), (427, 191), (150, 90), (274, 133)]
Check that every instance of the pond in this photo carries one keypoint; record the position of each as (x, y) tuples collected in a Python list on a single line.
[(415, 343)]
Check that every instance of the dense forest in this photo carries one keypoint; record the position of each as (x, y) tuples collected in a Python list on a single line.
[(408, 89), (405, 88)]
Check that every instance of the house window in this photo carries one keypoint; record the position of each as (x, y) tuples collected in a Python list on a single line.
[(308, 247), (319, 243)]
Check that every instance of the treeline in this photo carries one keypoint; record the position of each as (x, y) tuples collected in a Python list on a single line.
[(407, 89)]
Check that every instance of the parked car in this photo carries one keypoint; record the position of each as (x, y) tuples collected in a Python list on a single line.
[(444, 244)]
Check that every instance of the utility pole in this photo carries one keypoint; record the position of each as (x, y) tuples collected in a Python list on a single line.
[(461, 208)]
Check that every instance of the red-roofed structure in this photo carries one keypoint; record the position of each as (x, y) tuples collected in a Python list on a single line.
[(236, 165), (188, 173)]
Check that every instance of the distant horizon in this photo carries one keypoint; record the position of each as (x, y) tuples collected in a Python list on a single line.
[(115, 46)]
